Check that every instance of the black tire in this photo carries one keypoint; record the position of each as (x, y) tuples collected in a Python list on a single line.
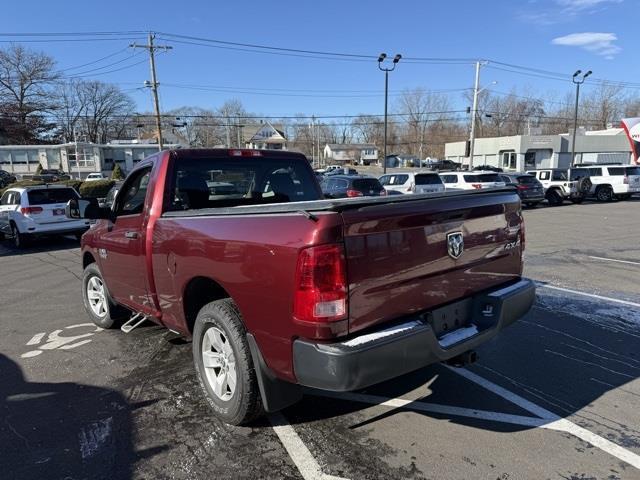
[(244, 403), (604, 194), (554, 197), (20, 240), (114, 313)]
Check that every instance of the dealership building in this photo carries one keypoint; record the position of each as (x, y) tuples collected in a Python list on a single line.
[(526, 152), (78, 159)]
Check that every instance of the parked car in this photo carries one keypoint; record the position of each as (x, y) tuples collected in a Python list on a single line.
[(27, 212), (487, 168), (529, 189), (611, 181), (281, 289), (51, 175), (412, 182), (442, 165), (343, 186), (92, 177), (470, 180), (341, 171), (6, 178), (562, 184)]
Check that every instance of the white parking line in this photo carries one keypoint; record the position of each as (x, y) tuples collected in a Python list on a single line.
[(554, 421), (297, 450), (591, 295), (614, 260)]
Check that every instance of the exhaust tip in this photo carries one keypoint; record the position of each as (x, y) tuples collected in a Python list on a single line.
[(466, 358)]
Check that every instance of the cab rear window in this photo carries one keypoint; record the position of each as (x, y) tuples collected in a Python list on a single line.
[(527, 180), (50, 195), (366, 184)]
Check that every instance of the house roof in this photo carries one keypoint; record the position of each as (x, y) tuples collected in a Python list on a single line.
[(250, 131), (351, 146)]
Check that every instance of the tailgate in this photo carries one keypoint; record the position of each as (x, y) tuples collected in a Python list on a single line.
[(398, 261)]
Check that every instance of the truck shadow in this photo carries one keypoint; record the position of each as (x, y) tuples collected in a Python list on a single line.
[(63, 430), (563, 357), (38, 245)]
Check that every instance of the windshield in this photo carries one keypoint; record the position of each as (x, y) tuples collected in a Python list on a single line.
[(221, 182), (428, 179), (51, 195)]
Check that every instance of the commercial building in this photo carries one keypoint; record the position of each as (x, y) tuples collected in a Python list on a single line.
[(78, 159), (525, 152)]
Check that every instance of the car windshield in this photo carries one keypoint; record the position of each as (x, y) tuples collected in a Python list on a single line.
[(44, 196), (222, 182), (428, 179), (527, 180), (576, 174), (488, 177), (366, 184)]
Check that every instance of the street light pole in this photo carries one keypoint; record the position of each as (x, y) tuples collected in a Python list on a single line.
[(474, 110), (386, 71), (578, 82)]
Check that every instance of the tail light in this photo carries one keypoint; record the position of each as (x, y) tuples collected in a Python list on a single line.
[(30, 210), (626, 180), (477, 186), (354, 193), (321, 285), (522, 187)]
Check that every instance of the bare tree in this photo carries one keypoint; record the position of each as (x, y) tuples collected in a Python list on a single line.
[(71, 106), (104, 103), (26, 77), (420, 107), (603, 105)]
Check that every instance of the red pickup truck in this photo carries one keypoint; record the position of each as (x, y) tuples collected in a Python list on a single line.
[(280, 288)]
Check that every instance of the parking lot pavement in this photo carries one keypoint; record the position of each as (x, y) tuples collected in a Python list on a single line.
[(556, 395)]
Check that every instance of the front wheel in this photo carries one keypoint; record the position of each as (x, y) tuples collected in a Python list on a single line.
[(97, 301), (223, 363)]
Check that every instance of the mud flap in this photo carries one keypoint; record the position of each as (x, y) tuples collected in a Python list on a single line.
[(276, 394)]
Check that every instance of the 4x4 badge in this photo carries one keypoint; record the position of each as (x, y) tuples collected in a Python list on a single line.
[(455, 244)]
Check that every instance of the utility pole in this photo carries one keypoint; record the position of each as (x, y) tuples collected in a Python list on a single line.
[(315, 163), (154, 82), (474, 112)]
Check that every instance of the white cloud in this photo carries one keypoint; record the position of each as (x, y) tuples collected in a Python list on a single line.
[(598, 43), (575, 6)]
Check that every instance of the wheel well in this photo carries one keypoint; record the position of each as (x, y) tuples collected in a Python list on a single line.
[(603, 185), (199, 292), (87, 259)]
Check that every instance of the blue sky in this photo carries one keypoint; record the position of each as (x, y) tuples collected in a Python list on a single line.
[(551, 35)]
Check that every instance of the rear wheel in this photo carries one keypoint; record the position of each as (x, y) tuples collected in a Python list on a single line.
[(20, 240), (104, 312), (224, 365), (554, 197), (604, 194)]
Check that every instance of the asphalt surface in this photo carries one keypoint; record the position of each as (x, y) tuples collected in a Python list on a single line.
[(555, 396)]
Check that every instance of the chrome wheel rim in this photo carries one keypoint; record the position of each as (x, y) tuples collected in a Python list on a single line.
[(219, 363), (96, 297)]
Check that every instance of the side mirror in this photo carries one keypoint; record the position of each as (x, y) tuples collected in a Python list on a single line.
[(86, 208)]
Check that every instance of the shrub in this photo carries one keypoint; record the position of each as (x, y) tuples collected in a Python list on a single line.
[(22, 183), (117, 173), (96, 189), (75, 184)]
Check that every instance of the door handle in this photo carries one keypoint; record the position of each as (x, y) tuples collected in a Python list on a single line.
[(131, 234)]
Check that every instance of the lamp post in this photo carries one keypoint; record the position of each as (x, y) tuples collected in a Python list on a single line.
[(578, 80), (386, 71)]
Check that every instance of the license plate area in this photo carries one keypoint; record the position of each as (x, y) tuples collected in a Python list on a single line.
[(451, 317), (58, 211)]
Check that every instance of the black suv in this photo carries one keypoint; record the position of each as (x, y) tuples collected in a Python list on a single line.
[(51, 175), (343, 186), (529, 189), (6, 178)]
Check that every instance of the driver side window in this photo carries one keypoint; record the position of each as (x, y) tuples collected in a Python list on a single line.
[(130, 201)]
